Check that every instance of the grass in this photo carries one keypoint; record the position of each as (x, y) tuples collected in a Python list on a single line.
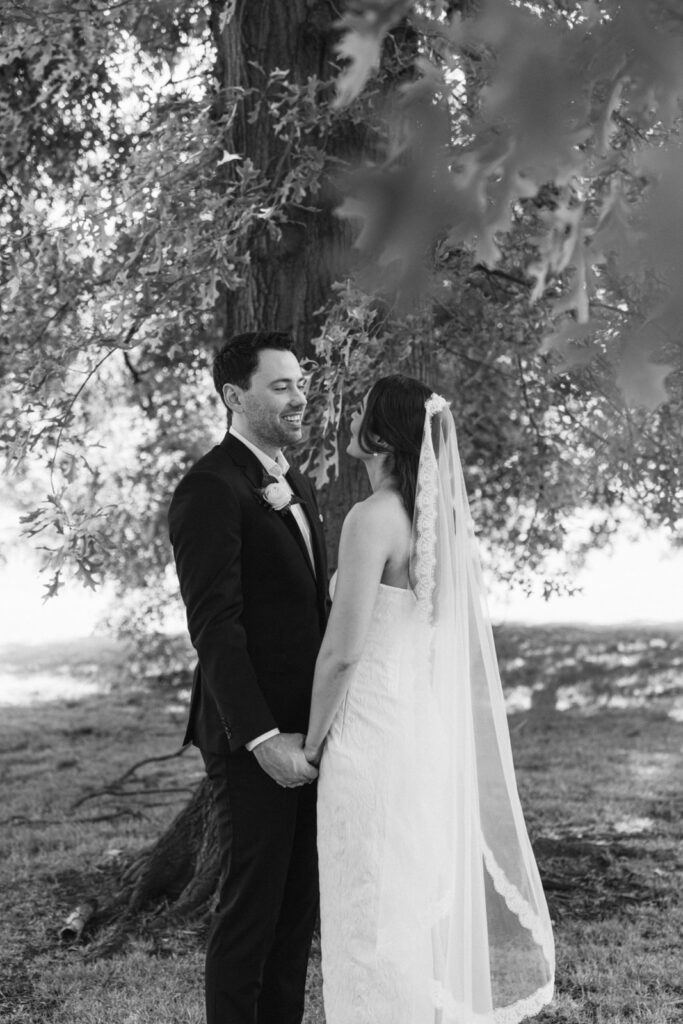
[(598, 742)]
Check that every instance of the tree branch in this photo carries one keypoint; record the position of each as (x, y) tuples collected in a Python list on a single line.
[(113, 788), (67, 412)]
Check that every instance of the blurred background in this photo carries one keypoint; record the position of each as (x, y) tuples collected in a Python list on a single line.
[(639, 580)]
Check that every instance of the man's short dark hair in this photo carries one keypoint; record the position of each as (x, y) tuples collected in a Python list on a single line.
[(237, 360)]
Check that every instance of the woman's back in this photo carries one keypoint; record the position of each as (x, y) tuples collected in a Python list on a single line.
[(387, 506)]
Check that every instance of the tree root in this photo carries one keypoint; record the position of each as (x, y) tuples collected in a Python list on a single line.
[(179, 871)]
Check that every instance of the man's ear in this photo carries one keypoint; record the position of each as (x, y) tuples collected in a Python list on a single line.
[(232, 396)]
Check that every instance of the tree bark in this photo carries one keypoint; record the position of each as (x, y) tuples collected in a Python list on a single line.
[(290, 277), (179, 873), (288, 283)]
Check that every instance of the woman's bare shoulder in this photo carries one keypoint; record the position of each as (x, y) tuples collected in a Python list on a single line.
[(379, 510)]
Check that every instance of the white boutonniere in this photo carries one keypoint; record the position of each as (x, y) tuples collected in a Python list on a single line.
[(276, 494)]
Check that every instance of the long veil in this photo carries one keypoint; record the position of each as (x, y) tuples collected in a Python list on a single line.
[(461, 914)]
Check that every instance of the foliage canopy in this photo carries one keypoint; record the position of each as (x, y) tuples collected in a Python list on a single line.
[(509, 174)]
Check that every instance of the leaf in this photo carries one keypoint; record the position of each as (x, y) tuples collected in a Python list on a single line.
[(576, 300), (608, 126), (363, 52), (84, 574), (361, 44), (660, 217), (504, 192), (614, 232), (356, 209), (571, 341), (559, 247), (53, 587), (641, 380), (655, 57), (208, 291)]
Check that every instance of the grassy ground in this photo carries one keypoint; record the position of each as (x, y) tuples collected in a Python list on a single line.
[(598, 740)]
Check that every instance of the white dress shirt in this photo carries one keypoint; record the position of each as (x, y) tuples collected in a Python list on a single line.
[(277, 468)]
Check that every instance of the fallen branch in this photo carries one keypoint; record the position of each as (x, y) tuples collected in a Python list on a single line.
[(112, 788), (131, 792), (150, 760), (22, 819)]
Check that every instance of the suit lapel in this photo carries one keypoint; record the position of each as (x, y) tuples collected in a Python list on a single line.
[(242, 457), (302, 489), (295, 481), (293, 527), (255, 471)]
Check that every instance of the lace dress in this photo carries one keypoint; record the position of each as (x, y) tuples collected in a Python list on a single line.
[(359, 987), (375, 852), (432, 906)]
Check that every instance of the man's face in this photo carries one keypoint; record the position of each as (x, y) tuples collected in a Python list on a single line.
[(269, 412)]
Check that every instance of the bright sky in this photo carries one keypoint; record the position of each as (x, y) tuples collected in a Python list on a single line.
[(25, 619), (639, 581)]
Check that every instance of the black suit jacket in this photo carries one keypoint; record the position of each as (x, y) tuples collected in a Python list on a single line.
[(256, 612)]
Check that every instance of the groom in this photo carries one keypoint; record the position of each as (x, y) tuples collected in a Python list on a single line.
[(249, 552)]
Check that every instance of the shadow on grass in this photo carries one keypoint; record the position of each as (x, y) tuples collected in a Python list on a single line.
[(592, 668), (597, 743)]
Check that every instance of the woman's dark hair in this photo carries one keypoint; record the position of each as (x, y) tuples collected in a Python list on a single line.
[(394, 421), (236, 361)]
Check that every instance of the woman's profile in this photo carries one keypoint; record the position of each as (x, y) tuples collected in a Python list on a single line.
[(432, 909)]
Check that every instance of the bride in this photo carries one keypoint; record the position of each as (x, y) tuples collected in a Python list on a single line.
[(432, 910)]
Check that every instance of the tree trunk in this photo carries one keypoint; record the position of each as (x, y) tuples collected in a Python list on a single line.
[(288, 283), (289, 277)]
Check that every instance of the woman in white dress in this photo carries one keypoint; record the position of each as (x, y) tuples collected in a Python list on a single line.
[(432, 910)]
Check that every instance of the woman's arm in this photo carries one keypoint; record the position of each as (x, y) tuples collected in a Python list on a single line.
[(364, 548)]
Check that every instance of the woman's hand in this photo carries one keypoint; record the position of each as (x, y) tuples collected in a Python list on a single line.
[(313, 754), (282, 757)]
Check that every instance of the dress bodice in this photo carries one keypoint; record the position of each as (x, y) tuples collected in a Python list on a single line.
[(387, 628), (383, 587)]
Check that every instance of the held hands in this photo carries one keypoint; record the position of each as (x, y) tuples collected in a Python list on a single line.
[(313, 754), (282, 757)]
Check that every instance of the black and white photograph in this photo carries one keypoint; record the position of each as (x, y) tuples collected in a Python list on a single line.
[(341, 511)]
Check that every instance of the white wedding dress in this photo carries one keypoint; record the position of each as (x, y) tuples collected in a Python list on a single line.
[(354, 795), (404, 942), (431, 904)]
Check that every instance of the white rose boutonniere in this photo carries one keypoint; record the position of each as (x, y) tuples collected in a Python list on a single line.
[(276, 494)]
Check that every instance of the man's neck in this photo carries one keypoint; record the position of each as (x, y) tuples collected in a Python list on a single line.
[(258, 442)]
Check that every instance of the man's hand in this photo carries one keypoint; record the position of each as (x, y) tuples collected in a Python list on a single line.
[(282, 757)]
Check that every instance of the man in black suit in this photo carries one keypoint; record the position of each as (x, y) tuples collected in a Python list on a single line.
[(249, 552)]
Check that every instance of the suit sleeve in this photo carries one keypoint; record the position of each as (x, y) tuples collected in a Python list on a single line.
[(205, 530)]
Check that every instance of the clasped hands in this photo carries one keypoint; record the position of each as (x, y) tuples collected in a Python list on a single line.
[(286, 760)]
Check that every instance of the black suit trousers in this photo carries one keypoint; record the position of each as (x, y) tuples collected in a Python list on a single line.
[(261, 931)]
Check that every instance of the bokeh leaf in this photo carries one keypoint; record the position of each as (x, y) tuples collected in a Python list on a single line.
[(640, 378), (365, 26)]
